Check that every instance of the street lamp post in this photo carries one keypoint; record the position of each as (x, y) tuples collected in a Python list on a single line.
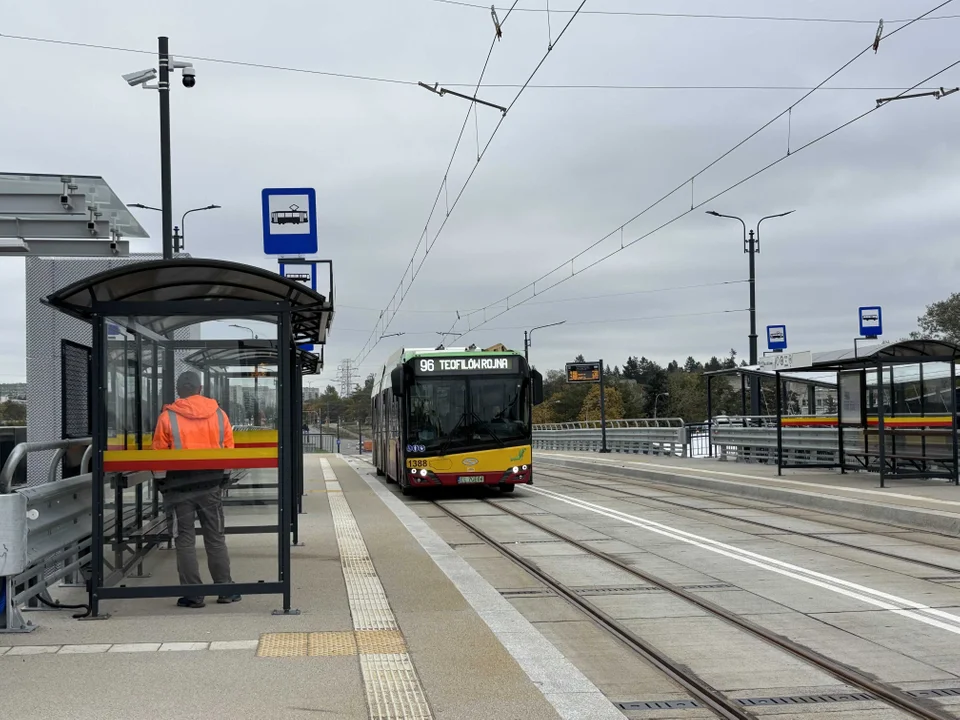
[(179, 232), (144, 78), (528, 338), (751, 246), (256, 378), (656, 400)]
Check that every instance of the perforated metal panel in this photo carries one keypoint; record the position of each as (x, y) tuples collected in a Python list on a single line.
[(45, 329)]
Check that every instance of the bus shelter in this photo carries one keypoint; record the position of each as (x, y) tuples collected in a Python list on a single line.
[(896, 410), (223, 364), (149, 321)]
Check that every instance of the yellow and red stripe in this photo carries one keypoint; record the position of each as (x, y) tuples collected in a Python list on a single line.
[(165, 460), (872, 421)]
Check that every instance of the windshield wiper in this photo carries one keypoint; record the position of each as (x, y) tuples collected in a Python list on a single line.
[(449, 438), (492, 434)]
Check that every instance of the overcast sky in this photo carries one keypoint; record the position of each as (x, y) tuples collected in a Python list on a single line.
[(876, 209)]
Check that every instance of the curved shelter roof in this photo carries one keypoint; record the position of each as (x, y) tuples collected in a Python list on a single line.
[(177, 293), (903, 351), (247, 355)]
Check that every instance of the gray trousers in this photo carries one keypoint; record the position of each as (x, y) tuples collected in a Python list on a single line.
[(207, 505)]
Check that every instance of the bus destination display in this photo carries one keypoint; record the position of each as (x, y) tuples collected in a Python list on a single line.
[(464, 365), (583, 372)]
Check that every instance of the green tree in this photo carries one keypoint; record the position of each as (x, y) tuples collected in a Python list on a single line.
[(612, 400), (941, 320)]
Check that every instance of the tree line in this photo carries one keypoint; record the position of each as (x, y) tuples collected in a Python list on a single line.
[(642, 388)]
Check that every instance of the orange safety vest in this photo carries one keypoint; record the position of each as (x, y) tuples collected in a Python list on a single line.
[(193, 423)]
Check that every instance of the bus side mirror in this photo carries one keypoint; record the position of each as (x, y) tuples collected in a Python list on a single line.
[(537, 380), (396, 381)]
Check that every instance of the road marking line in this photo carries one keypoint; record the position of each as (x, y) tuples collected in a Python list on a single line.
[(685, 472), (572, 695), (392, 686), (878, 598)]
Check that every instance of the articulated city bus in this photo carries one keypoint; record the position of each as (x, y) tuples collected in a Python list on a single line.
[(457, 416)]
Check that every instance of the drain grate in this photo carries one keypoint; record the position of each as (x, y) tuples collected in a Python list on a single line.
[(757, 702), (715, 586), (806, 699), (944, 692), (613, 590), (538, 542), (658, 705), (528, 592)]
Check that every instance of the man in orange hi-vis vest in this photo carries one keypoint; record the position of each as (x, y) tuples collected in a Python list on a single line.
[(195, 422)]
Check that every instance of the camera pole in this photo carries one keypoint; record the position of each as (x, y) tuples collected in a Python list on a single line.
[(166, 191)]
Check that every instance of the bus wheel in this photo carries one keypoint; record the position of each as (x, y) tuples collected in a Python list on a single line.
[(390, 480), (406, 490), (507, 487), (380, 472)]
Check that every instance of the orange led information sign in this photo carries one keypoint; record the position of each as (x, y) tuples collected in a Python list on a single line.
[(583, 372)]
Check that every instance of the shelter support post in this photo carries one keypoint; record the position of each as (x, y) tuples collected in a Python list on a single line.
[(710, 413), (881, 441), (779, 424), (286, 446), (99, 429), (743, 394), (953, 422)]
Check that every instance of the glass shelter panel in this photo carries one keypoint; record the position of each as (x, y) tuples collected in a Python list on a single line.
[(193, 434)]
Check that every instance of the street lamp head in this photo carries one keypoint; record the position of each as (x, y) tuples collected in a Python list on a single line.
[(713, 212)]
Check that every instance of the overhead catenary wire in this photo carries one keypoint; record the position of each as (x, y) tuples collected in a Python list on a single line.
[(698, 16), (384, 323), (683, 214), (444, 190), (582, 298), (414, 83), (693, 205)]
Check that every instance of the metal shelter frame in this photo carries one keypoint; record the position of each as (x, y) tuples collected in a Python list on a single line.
[(151, 300), (855, 364), (744, 373)]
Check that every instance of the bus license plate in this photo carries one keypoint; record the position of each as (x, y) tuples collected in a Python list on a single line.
[(468, 479)]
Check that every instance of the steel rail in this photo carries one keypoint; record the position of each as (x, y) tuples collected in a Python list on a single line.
[(879, 690), (799, 533), (700, 689)]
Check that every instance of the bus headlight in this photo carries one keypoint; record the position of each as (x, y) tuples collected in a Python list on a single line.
[(423, 472), (516, 469)]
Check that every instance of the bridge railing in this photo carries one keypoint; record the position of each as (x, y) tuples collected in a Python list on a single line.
[(646, 436), (729, 438)]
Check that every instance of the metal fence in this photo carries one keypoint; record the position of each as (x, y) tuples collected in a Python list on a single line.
[(653, 436), (322, 443), (729, 438)]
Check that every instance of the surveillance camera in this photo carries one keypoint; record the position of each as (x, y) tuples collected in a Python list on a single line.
[(140, 77), (189, 77)]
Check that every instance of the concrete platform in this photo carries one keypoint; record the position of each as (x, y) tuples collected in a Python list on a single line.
[(393, 624), (919, 504)]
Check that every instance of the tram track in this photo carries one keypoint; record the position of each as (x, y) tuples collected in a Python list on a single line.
[(702, 691), (757, 523)]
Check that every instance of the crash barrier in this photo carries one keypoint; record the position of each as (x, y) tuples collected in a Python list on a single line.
[(44, 530), (653, 436)]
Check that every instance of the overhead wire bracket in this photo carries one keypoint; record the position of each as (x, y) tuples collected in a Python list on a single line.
[(435, 88), (496, 22), (876, 40), (933, 93)]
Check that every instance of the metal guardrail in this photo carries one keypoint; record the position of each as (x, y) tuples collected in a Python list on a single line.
[(61, 447), (653, 436), (45, 531), (322, 442), (801, 446)]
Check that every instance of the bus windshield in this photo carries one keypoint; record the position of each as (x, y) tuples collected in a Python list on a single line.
[(456, 414)]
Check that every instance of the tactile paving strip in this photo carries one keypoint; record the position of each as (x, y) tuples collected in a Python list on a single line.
[(393, 688), (331, 644)]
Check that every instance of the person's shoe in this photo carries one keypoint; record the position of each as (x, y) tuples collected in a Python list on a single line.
[(186, 602), (226, 599)]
